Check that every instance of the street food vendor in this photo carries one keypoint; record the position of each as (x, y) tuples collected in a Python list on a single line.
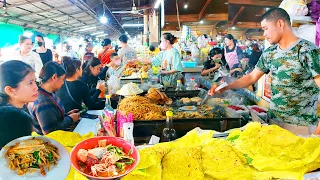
[(294, 64), (233, 54), (169, 59)]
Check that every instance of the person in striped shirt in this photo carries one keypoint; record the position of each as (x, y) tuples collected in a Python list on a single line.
[(47, 111)]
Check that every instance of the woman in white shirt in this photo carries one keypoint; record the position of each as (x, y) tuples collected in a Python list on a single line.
[(25, 54)]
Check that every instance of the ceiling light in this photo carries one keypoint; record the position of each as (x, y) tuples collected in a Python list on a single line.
[(103, 19), (86, 29), (139, 36), (96, 33), (185, 6), (226, 3), (233, 27), (101, 35), (156, 5), (126, 33), (132, 25), (201, 22)]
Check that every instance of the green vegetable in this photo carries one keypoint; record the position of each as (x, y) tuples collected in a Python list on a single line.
[(231, 139), (143, 170), (130, 152), (35, 166), (119, 165), (129, 162), (50, 157), (249, 159), (36, 155)]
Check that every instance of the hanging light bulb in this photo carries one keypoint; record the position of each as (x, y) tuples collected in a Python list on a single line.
[(103, 19)]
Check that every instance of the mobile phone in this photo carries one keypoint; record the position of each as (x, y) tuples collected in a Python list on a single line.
[(89, 116)]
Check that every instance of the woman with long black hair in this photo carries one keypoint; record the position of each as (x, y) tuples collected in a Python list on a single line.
[(45, 54), (17, 87), (92, 73), (75, 92), (47, 111)]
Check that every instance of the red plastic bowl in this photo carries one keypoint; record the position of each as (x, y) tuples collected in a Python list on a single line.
[(93, 142)]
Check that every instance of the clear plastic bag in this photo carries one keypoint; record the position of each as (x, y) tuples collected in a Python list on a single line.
[(195, 53), (295, 7), (113, 84)]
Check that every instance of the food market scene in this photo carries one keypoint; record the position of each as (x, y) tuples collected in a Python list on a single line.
[(160, 89)]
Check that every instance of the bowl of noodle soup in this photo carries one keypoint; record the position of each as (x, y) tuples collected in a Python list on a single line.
[(93, 157)]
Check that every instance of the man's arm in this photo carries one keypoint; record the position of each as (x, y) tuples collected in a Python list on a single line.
[(246, 80), (317, 80), (243, 82)]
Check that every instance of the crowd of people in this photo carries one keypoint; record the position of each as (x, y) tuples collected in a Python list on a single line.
[(43, 92)]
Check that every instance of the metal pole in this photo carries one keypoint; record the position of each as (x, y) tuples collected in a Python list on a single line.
[(159, 24)]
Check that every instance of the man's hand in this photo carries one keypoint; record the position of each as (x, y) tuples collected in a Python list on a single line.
[(243, 82), (213, 91), (73, 111)]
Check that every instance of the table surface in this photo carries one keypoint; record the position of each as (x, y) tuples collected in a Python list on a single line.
[(89, 125), (197, 69)]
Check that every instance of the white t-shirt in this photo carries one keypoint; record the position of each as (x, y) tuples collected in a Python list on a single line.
[(32, 58), (126, 54), (71, 54)]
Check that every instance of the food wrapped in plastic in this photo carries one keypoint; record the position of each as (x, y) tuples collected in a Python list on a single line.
[(149, 167), (221, 161), (183, 163), (272, 148)]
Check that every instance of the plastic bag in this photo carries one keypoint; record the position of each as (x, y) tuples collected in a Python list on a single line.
[(108, 124), (295, 7), (307, 32), (121, 119), (113, 84), (195, 53)]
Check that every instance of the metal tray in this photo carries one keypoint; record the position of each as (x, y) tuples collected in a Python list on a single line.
[(180, 94), (224, 120)]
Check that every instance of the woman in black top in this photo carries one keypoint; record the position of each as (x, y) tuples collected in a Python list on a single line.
[(92, 73), (214, 63), (17, 88), (78, 90), (255, 56), (45, 54)]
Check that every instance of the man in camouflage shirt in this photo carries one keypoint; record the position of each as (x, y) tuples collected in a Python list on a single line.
[(294, 91), (294, 65)]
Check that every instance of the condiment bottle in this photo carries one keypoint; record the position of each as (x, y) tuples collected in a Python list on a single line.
[(168, 133)]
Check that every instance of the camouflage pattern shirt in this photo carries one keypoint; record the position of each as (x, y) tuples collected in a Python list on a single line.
[(294, 91)]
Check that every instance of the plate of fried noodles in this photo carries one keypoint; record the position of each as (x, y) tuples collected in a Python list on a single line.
[(34, 158)]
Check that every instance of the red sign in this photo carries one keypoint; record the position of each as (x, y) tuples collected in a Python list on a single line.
[(267, 88)]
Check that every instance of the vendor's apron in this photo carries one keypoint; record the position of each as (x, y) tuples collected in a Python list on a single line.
[(295, 129), (231, 57)]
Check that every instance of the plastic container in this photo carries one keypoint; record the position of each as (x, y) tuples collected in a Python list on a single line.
[(240, 109), (188, 64), (262, 115)]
